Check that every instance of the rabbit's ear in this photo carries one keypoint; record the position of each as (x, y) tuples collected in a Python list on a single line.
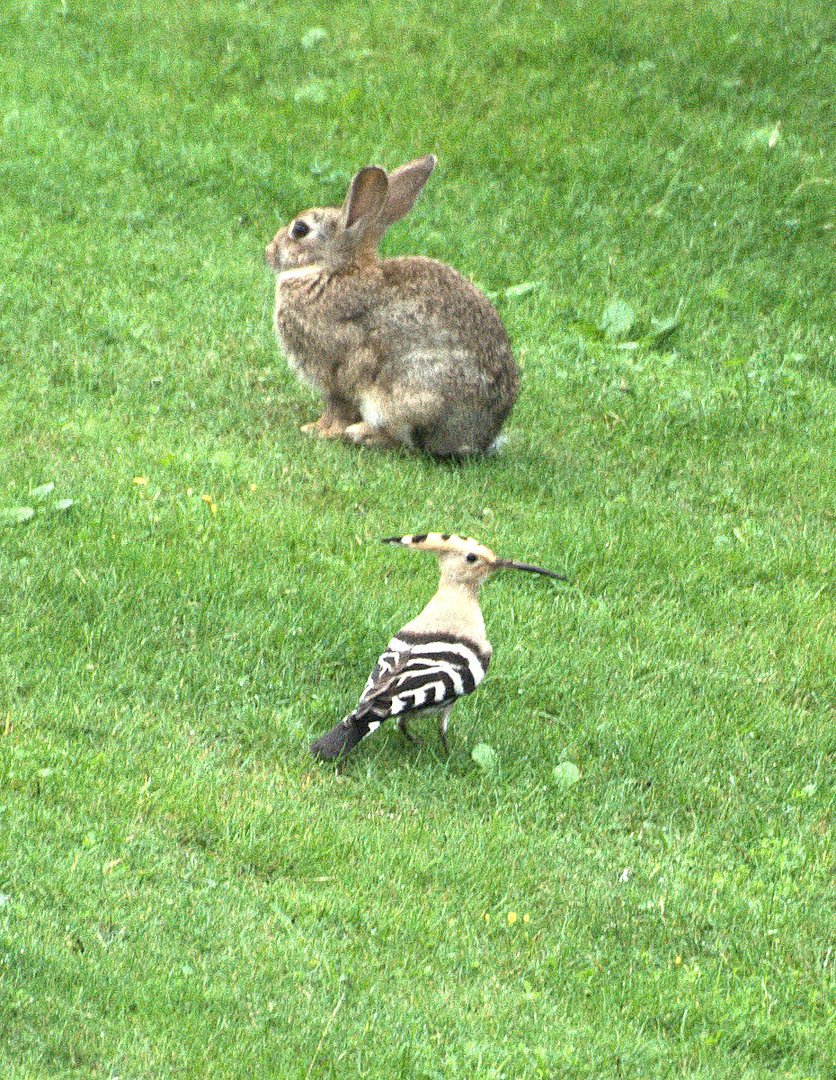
[(405, 185), (366, 196)]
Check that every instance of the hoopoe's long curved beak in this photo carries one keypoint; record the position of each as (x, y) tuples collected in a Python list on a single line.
[(510, 564)]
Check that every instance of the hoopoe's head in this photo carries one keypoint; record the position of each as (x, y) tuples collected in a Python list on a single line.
[(464, 561)]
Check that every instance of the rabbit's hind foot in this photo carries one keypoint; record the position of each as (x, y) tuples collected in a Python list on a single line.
[(364, 434), (315, 427), (330, 425)]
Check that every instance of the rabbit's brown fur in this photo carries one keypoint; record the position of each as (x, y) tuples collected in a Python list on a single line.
[(404, 351)]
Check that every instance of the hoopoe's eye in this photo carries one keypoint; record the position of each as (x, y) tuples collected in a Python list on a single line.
[(471, 557), (299, 229)]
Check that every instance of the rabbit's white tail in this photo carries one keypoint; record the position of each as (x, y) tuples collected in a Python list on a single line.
[(497, 444)]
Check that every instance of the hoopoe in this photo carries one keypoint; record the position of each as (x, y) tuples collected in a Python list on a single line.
[(438, 657)]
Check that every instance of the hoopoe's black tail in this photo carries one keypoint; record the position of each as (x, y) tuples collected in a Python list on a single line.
[(340, 739)]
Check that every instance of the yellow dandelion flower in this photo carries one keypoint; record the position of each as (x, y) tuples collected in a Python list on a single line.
[(512, 917), (526, 919), (253, 487), (678, 961), (207, 499), (141, 481)]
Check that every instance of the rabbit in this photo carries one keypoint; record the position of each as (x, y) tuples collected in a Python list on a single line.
[(405, 351)]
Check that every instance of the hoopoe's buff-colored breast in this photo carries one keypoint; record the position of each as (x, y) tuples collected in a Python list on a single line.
[(453, 612)]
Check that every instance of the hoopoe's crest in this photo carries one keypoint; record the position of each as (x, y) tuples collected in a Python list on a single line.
[(461, 558), (438, 542)]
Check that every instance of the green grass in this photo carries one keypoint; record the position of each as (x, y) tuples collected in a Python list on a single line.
[(183, 892)]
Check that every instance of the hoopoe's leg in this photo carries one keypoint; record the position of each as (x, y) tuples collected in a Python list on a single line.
[(443, 721), (338, 416), (401, 725)]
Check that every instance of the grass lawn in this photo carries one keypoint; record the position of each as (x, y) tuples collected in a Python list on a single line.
[(646, 189)]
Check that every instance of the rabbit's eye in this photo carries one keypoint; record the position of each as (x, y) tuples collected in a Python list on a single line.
[(471, 557), (299, 229)]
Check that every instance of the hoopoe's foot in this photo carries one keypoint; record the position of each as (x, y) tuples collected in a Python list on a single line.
[(414, 739), (364, 434)]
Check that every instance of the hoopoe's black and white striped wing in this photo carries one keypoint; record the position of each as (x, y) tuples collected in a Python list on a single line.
[(416, 672), (386, 663), (430, 671)]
